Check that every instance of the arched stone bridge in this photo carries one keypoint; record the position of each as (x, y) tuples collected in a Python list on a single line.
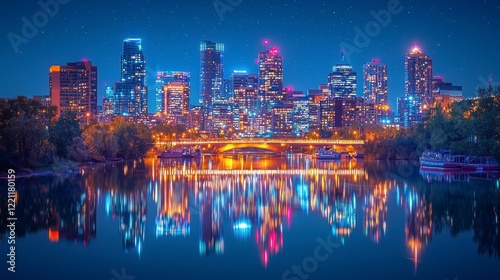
[(273, 145)]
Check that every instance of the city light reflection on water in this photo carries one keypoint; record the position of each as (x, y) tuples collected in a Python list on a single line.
[(266, 202)]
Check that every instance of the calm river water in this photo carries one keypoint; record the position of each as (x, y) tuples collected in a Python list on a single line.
[(254, 217)]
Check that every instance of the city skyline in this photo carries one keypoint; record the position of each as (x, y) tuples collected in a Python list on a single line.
[(319, 48)]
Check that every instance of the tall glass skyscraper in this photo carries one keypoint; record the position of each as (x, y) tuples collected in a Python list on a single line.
[(244, 91), (211, 72), (418, 86), (375, 82), (176, 96), (73, 87), (270, 79), (131, 93), (418, 74), (342, 81), (164, 78)]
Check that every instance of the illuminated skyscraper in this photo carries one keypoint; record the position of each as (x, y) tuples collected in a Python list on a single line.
[(375, 82), (301, 117), (211, 72), (336, 113), (195, 119), (282, 120), (131, 93), (176, 102), (418, 74), (342, 81), (163, 78), (74, 88), (270, 79), (107, 105), (418, 86), (244, 88)]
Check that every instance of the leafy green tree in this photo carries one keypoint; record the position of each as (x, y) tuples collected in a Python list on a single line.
[(134, 140), (62, 133), (78, 151), (100, 141), (26, 137)]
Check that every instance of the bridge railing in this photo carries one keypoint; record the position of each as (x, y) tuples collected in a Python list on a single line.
[(270, 141)]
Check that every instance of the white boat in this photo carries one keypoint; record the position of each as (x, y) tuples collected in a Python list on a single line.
[(326, 154)]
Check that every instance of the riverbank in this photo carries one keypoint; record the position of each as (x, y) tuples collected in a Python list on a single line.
[(61, 167)]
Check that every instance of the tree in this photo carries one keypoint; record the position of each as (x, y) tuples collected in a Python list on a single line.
[(25, 137), (78, 151), (100, 141), (62, 133), (133, 139)]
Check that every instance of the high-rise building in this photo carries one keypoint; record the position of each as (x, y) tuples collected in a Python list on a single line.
[(270, 79), (314, 96), (337, 113), (244, 88), (282, 120), (196, 119), (301, 117), (131, 92), (418, 74), (439, 87), (163, 78), (73, 87), (222, 118), (375, 82), (418, 86), (342, 81), (107, 104), (176, 98), (211, 72)]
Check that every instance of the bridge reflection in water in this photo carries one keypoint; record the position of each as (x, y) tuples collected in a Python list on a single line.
[(274, 145), (257, 198)]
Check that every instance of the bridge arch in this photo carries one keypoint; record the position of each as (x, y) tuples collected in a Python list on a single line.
[(263, 146)]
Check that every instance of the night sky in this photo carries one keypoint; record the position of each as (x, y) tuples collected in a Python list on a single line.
[(462, 38)]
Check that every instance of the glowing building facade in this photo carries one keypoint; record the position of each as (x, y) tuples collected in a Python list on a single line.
[(342, 81), (375, 82), (163, 78), (211, 73), (270, 79), (418, 86), (73, 87), (176, 103), (131, 93)]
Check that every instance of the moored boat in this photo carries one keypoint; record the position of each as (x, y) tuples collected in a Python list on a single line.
[(326, 154), (440, 160), (170, 154), (191, 152)]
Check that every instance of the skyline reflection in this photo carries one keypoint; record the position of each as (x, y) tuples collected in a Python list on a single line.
[(257, 206)]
